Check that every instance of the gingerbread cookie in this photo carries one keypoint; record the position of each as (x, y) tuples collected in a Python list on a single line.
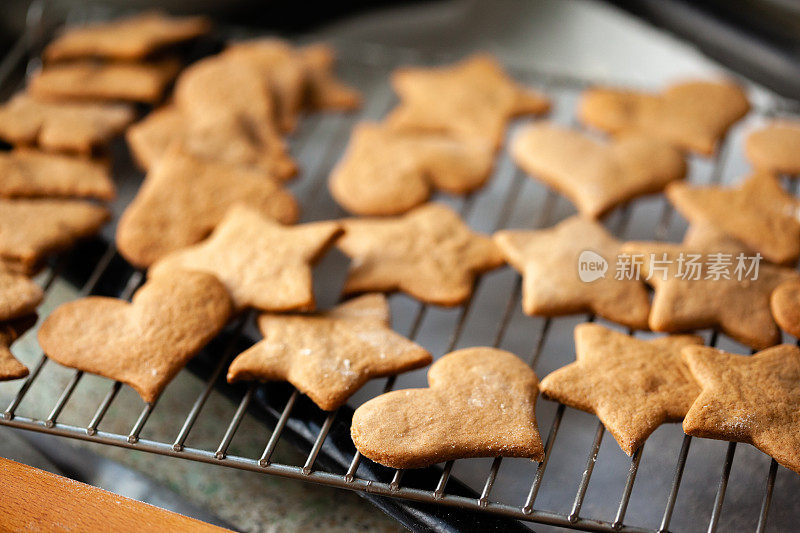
[(752, 399), (596, 176), (388, 172), (30, 173), (278, 65), (143, 343), (62, 126), (323, 89), (472, 98), (713, 285), (480, 403), (758, 212), (90, 80), (219, 88), (10, 367), (183, 198), (226, 142), (428, 253), (32, 229), (329, 356), (263, 264), (550, 261), (632, 385), (785, 305), (693, 115), (19, 296), (129, 38), (775, 148)]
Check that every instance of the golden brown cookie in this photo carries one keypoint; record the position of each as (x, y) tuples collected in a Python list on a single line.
[(143, 343), (323, 90), (472, 98), (32, 229), (775, 148), (785, 304), (277, 63), (130, 38), (480, 403), (91, 80), (329, 356), (225, 141), (19, 296), (428, 253), (183, 198), (387, 172), (62, 126), (596, 176), (692, 115), (220, 88), (632, 385), (752, 399), (10, 367), (31, 173), (757, 212), (263, 264), (689, 297), (550, 262)]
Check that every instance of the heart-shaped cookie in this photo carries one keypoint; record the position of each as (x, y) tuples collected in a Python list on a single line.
[(692, 115), (388, 172), (481, 403), (143, 343), (184, 197), (596, 176)]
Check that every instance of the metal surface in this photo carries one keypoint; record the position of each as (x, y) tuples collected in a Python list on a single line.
[(520, 490)]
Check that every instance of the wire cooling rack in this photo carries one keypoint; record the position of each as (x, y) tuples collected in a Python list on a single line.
[(557, 491)]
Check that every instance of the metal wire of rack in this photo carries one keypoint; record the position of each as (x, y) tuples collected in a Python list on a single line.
[(493, 209)]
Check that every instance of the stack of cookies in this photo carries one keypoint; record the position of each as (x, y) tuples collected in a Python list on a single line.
[(219, 142), (56, 175)]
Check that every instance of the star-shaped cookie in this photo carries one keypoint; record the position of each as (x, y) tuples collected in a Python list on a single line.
[(299, 78), (596, 176), (689, 297), (329, 356), (549, 261), (752, 399), (184, 197), (632, 385), (472, 98), (775, 148), (130, 38), (481, 403), (757, 212), (388, 172), (692, 115), (264, 264), (32, 229), (10, 367), (31, 173), (428, 253), (62, 126), (323, 89)]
